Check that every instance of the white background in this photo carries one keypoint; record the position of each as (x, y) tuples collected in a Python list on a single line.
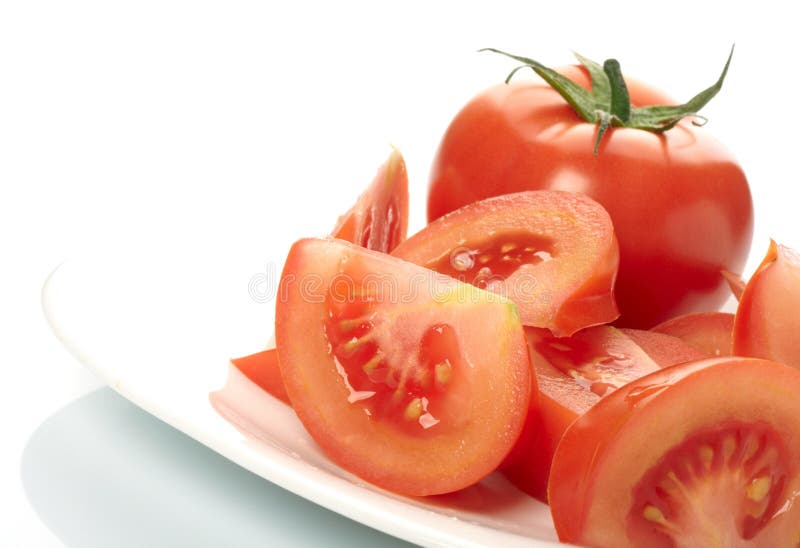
[(220, 126)]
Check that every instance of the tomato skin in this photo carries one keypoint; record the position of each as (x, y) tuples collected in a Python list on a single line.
[(608, 450), (570, 289), (709, 332), (482, 409), (680, 203), (664, 349), (766, 322)]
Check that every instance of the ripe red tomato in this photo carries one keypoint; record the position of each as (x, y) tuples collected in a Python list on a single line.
[(709, 332), (553, 253), (766, 324), (680, 203), (572, 373), (407, 378), (705, 453)]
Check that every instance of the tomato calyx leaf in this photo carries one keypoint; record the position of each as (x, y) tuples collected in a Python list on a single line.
[(608, 103)]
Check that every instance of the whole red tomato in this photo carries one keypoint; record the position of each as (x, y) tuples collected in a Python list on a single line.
[(680, 203)]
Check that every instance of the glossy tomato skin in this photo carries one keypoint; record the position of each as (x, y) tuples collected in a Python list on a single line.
[(709, 332), (367, 343), (602, 482), (680, 203)]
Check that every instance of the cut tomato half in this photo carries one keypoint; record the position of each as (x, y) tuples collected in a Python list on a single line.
[(379, 219), (767, 323), (407, 378), (705, 453), (553, 253), (572, 374), (710, 333)]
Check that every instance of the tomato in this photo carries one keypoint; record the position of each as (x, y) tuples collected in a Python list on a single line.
[(664, 349), (705, 453), (553, 253), (572, 373), (379, 219), (708, 332), (766, 324), (262, 369), (407, 378), (680, 203)]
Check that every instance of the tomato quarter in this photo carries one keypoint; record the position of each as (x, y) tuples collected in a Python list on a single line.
[(407, 378), (553, 253)]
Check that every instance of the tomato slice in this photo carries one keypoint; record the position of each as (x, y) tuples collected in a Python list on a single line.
[(263, 370), (705, 453), (664, 349), (379, 219), (553, 253), (708, 332), (766, 324), (409, 379), (572, 373)]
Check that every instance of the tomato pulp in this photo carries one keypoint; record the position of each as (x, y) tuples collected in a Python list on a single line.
[(680, 203)]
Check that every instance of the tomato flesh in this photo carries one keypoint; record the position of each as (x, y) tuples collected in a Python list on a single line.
[(717, 487), (553, 253), (705, 453), (405, 377), (572, 374)]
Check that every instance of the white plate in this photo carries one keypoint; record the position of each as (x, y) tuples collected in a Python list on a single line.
[(160, 329)]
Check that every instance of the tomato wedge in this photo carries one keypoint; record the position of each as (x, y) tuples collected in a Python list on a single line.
[(553, 253), (664, 349), (572, 373), (766, 324), (708, 332), (705, 453), (379, 219), (407, 378)]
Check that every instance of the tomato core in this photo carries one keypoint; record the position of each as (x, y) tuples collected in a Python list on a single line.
[(727, 480)]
